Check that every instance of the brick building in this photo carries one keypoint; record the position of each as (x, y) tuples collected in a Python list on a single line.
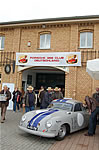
[(70, 34)]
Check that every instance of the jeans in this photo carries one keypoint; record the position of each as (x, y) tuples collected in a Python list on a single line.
[(16, 104), (93, 121), (27, 109)]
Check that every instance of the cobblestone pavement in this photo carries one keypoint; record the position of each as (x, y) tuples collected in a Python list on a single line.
[(12, 138)]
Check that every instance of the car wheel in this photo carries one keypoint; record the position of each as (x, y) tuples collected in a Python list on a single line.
[(61, 133)]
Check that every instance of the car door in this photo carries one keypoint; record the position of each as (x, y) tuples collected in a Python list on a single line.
[(78, 118)]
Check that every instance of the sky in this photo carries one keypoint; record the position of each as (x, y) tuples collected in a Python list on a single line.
[(16, 10)]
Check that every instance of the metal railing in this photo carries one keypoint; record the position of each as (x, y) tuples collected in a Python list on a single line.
[(6, 58), (88, 55)]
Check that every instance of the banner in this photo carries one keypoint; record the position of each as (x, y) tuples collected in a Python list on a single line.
[(49, 59)]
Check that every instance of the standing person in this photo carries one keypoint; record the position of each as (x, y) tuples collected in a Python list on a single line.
[(29, 99), (22, 95), (40, 90), (96, 95), (47, 98), (93, 107), (57, 94), (4, 105), (16, 99), (41, 96)]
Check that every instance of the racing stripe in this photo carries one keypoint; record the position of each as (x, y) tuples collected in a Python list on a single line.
[(43, 116), (30, 122), (60, 100)]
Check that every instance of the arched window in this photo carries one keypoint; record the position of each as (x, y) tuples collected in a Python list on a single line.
[(45, 40), (86, 39)]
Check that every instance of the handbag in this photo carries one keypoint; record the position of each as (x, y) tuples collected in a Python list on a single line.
[(18, 98)]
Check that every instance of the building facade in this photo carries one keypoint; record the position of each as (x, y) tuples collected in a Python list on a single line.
[(71, 34)]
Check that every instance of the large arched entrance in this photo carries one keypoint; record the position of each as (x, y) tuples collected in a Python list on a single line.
[(43, 76)]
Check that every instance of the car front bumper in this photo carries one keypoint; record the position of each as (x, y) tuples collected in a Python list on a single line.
[(39, 133)]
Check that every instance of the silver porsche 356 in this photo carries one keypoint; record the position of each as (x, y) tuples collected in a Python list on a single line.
[(63, 116)]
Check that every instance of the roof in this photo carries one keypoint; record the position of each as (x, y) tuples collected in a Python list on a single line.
[(64, 100), (48, 20)]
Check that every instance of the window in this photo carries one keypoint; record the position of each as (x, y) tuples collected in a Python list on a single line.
[(45, 41), (78, 107), (29, 79), (0, 77), (86, 40), (2, 38)]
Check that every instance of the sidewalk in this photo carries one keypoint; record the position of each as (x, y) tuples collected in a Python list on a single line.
[(77, 141), (11, 138)]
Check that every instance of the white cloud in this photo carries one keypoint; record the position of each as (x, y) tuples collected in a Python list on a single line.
[(13, 10)]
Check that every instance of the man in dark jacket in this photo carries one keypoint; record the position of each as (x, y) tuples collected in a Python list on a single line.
[(57, 94), (4, 104), (41, 96), (93, 107), (29, 99), (47, 98)]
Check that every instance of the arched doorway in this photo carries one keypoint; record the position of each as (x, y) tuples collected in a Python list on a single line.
[(43, 76)]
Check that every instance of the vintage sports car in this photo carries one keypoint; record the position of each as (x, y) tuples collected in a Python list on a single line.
[(63, 116)]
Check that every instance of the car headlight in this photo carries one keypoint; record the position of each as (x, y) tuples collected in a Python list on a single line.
[(23, 118), (48, 124)]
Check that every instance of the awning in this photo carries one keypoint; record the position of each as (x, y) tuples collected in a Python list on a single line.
[(93, 68)]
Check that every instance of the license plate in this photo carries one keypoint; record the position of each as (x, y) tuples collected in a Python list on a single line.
[(32, 128)]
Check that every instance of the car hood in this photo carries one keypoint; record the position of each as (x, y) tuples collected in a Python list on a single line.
[(46, 114)]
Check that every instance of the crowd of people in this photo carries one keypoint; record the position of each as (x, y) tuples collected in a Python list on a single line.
[(27, 100), (45, 97)]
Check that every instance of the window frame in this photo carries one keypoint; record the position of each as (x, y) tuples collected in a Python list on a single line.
[(86, 39), (44, 33), (0, 77), (77, 106), (2, 37)]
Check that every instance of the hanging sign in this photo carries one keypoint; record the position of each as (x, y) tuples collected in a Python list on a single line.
[(49, 59)]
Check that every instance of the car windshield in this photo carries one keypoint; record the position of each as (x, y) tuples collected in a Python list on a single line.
[(64, 106)]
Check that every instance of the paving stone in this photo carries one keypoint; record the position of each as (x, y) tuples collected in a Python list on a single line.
[(12, 138)]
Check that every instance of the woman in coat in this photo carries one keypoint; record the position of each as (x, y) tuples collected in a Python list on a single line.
[(16, 99)]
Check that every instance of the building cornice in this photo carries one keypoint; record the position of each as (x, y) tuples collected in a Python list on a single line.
[(67, 20)]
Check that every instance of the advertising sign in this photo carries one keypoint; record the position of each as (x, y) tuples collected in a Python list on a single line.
[(49, 59), (2, 98)]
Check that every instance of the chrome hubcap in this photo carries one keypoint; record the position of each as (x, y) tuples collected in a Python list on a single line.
[(62, 131)]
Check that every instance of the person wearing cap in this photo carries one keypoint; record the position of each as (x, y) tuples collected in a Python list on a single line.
[(47, 98), (29, 99), (4, 104), (57, 94)]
